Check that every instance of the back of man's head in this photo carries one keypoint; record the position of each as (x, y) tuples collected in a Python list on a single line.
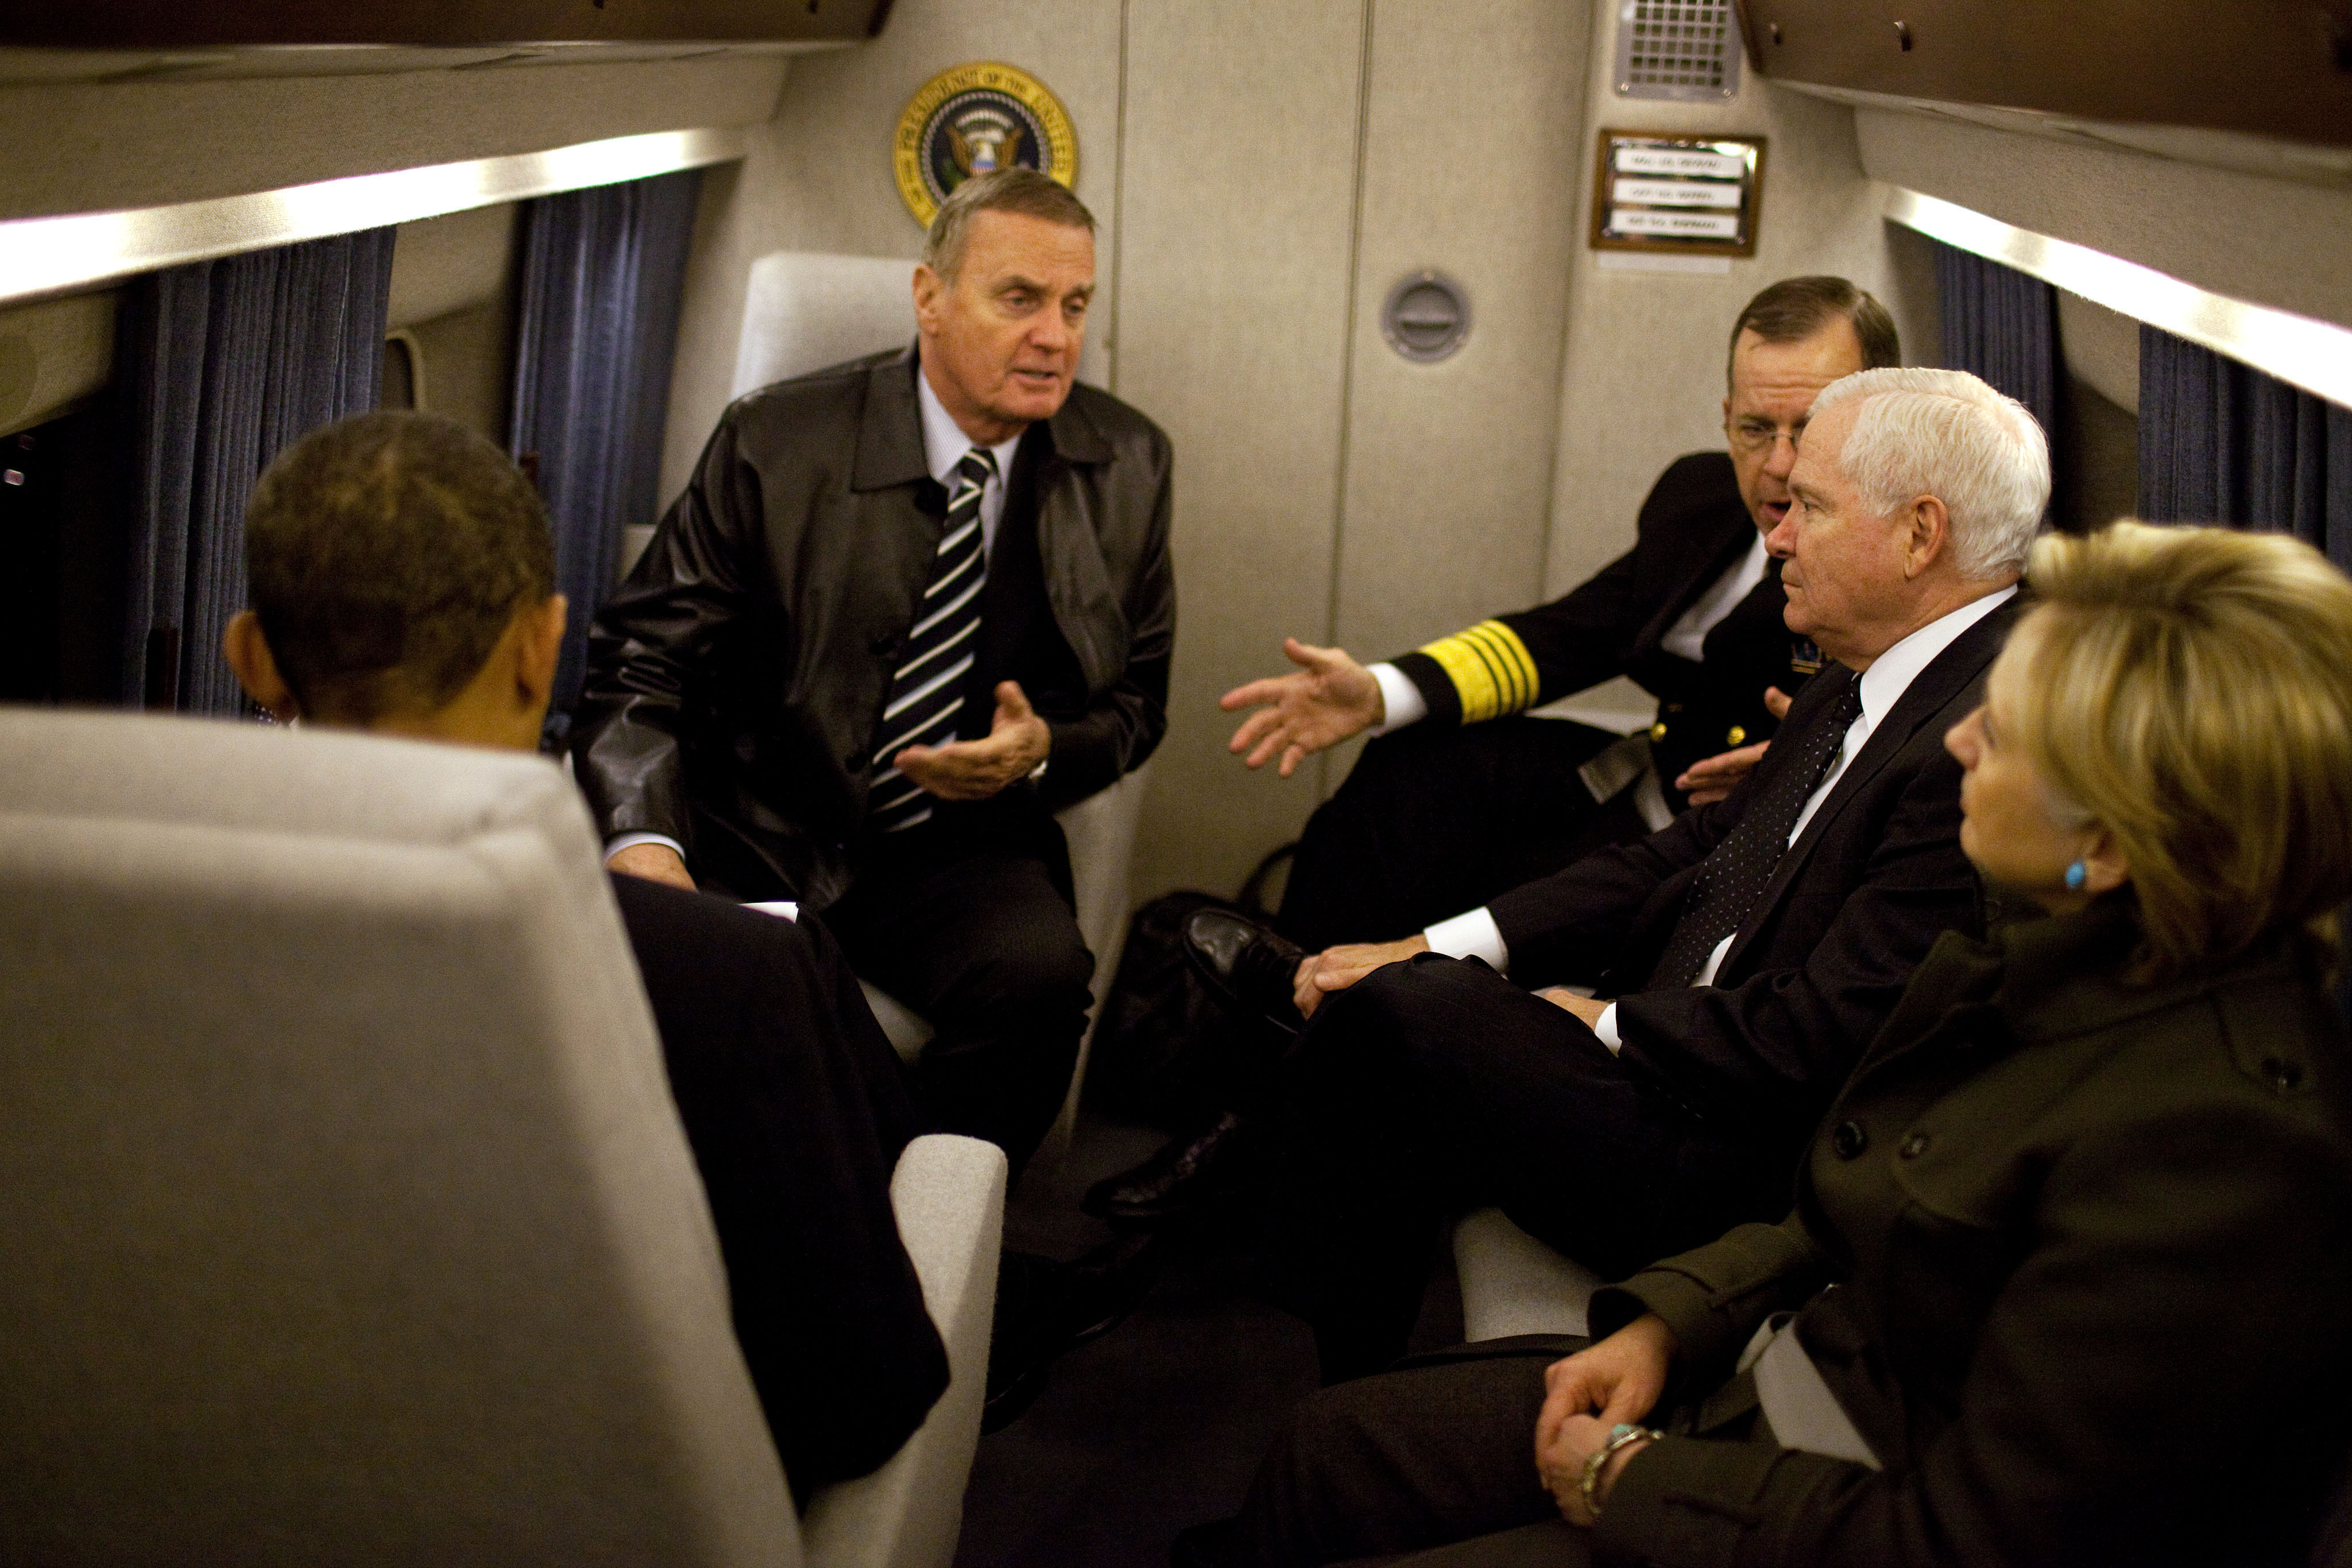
[(1795, 308), (1945, 434), (1016, 190), (386, 555)]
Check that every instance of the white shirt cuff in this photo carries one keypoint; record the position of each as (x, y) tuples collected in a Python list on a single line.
[(1605, 1027), (1401, 701), (630, 840), (1471, 936)]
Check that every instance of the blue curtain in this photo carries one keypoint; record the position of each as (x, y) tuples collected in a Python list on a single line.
[(2003, 326), (601, 275), (223, 363), (2222, 443), (2219, 442)]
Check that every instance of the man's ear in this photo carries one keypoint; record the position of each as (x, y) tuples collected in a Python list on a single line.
[(929, 286), (538, 647), (247, 653), (1930, 535)]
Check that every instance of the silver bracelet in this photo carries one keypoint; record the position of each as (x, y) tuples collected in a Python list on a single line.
[(1621, 1434)]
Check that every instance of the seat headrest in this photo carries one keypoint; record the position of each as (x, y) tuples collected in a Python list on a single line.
[(164, 769)]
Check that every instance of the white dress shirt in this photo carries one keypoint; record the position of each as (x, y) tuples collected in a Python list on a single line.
[(944, 446), (1687, 635), (1401, 702), (1476, 936)]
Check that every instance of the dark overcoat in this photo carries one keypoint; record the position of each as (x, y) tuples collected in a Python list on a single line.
[(2091, 1246)]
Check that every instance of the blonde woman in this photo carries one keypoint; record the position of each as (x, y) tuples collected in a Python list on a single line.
[(2071, 1261)]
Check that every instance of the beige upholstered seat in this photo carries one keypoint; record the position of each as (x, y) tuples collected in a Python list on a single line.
[(344, 1213), (1513, 1283), (803, 311)]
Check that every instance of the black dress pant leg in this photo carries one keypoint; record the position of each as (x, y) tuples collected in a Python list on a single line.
[(1436, 1086), (1439, 1451), (797, 1111), (1437, 819), (978, 936)]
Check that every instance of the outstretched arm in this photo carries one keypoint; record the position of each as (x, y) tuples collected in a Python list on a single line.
[(1329, 698)]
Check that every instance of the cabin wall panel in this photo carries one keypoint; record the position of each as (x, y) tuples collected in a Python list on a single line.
[(456, 262), (1471, 123), (2100, 347), (98, 147), (54, 354), (1239, 191), (1645, 374), (2271, 241), (469, 363)]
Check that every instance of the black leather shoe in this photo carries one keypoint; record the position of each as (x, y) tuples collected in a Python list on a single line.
[(1046, 1309), (1186, 1175), (1247, 966)]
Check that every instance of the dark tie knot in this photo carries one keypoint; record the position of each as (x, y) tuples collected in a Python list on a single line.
[(978, 468)]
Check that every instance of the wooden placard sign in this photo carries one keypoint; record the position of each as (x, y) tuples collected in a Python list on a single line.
[(1687, 195)]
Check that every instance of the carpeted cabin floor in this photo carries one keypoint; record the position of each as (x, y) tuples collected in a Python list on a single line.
[(1158, 1424)]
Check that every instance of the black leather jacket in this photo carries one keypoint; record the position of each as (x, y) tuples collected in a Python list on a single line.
[(735, 679)]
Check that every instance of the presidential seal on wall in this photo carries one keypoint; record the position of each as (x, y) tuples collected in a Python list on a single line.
[(968, 120)]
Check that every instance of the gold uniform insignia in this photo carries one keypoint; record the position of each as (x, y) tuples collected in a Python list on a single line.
[(1491, 670)]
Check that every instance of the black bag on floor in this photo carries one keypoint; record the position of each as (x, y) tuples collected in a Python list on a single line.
[(1165, 1051)]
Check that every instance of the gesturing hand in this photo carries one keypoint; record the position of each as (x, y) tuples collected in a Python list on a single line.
[(974, 769), (1331, 698), (1588, 1394), (1711, 778), (1336, 968)]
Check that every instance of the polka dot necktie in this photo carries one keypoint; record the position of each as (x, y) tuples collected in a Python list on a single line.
[(1731, 880), (927, 694)]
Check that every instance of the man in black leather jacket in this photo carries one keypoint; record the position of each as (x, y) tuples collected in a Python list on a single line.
[(793, 697)]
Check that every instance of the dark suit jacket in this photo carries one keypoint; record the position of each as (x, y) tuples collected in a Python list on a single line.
[(1852, 908), (735, 681), (795, 1108), (1693, 528), (2093, 1244)]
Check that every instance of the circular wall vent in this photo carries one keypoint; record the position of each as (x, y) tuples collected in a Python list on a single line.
[(1427, 317)]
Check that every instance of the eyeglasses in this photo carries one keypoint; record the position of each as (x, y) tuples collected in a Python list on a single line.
[(1750, 439)]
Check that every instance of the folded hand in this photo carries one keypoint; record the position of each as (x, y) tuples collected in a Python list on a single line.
[(1586, 1396), (1336, 968)]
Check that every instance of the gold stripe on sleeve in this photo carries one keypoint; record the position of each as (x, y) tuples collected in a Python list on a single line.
[(1491, 669), (1517, 666)]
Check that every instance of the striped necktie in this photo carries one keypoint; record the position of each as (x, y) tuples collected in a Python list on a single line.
[(927, 694), (1731, 881)]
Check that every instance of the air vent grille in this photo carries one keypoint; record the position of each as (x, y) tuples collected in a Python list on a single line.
[(1685, 49)]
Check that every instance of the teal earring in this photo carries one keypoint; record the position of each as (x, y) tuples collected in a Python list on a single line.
[(2076, 876)]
